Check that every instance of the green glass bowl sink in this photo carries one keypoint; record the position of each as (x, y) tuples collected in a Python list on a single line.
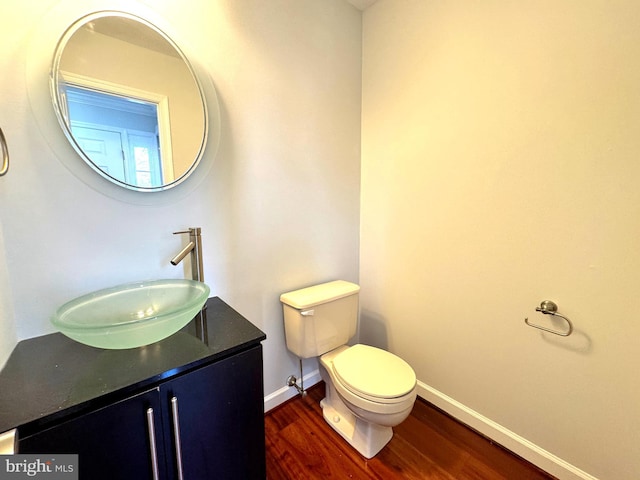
[(131, 315)]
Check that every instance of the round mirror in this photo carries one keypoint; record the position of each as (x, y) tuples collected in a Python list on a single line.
[(128, 101)]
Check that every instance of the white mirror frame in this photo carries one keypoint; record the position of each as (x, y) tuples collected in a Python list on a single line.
[(44, 39)]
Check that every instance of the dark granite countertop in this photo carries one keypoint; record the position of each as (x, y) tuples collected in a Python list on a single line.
[(51, 377)]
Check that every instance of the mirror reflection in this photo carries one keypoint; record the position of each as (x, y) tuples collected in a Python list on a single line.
[(129, 101)]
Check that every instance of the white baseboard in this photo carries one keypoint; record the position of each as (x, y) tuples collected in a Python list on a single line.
[(508, 439), (285, 393)]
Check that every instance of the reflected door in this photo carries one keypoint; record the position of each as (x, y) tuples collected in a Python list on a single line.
[(106, 149), (119, 135)]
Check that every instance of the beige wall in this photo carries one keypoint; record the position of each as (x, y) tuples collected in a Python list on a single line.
[(279, 207), (500, 168)]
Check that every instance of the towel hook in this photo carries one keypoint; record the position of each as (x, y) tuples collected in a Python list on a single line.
[(5, 154), (548, 307)]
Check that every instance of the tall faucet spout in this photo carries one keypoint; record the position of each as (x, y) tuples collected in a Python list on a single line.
[(195, 248), (183, 253)]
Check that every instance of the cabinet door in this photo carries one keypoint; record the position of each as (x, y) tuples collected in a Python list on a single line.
[(112, 442), (219, 410)]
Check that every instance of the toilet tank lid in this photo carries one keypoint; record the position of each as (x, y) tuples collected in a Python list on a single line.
[(318, 294)]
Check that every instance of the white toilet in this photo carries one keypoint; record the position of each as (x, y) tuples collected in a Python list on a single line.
[(368, 390)]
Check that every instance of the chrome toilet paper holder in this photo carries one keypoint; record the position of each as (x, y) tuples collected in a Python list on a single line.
[(547, 307)]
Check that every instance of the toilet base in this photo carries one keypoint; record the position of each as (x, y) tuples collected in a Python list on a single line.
[(367, 438)]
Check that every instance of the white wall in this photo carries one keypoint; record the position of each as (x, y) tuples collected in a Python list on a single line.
[(279, 208), (499, 169)]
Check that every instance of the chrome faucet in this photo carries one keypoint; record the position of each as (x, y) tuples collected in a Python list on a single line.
[(197, 273), (195, 248)]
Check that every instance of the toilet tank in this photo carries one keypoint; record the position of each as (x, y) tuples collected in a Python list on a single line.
[(320, 318)]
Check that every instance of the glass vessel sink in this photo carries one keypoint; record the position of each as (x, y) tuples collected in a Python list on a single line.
[(131, 315)]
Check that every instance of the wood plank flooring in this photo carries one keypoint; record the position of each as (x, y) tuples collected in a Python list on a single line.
[(428, 445)]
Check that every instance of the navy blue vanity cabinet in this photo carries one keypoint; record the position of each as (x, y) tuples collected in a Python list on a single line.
[(112, 442), (221, 420), (188, 407), (206, 424)]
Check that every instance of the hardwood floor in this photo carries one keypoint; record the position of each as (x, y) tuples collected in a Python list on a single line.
[(428, 445)]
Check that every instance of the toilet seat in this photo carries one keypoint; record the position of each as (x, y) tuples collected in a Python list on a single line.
[(374, 374)]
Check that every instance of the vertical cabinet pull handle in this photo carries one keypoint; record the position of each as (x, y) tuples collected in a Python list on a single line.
[(152, 444), (176, 435), (4, 167), (9, 442)]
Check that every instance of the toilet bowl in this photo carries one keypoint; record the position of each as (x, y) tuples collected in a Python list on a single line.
[(368, 390)]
